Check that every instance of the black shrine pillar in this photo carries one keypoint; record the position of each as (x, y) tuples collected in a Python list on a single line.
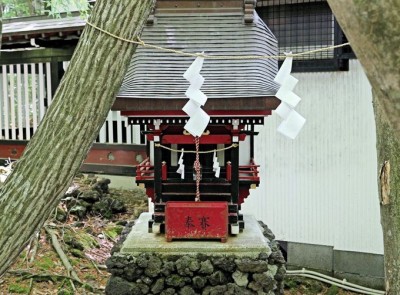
[(157, 161), (235, 162)]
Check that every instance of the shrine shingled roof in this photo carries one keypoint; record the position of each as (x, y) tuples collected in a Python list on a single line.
[(20, 29), (156, 74)]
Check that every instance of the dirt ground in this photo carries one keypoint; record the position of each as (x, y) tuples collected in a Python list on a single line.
[(87, 243)]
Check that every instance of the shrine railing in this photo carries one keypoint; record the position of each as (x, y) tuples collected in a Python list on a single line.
[(145, 171), (246, 172)]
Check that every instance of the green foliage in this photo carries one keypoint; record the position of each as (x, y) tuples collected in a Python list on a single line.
[(16, 288), (65, 292), (56, 7), (66, 288), (113, 230), (291, 283), (21, 8), (333, 290), (45, 263)]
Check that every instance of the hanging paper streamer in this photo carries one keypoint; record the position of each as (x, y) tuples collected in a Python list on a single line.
[(181, 168), (292, 125), (199, 119), (283, 110), (216, 167), (292, 122)]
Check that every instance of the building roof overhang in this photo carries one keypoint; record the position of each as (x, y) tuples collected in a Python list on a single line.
[(22, 30)]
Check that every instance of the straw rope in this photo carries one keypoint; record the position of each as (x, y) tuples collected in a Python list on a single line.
[(235, 145), (219, 57)]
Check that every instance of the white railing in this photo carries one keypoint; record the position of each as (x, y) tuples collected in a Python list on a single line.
[(117, 130), (25, 94)]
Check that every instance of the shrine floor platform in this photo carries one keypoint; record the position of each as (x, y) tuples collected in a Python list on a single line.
[(251, 242)]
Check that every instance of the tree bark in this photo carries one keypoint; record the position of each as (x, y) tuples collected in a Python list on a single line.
[(71, 124), (373, 27), (1, 24)]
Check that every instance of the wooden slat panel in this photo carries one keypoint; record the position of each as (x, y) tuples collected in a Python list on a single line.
[(1, 108), (27, 103), (136, 134), (11, 92), (34, 97), (48, 83), (119, 127), (5, 102), (128, 129), (102, 133), (19, 103), (41, 91), (110, 128)]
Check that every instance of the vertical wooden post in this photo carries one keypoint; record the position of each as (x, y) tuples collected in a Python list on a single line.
[(19, 103), (41, 91), (5, 101), (164, 172), (235, 162), (228, 171), (27, 103), (157, 162), (49, 93), (55, 76), (12, 103), (34, 98), (252, 142)]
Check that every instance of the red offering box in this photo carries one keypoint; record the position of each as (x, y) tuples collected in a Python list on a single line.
[(196, 220)]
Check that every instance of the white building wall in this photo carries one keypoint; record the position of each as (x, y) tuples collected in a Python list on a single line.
[(321, 188)]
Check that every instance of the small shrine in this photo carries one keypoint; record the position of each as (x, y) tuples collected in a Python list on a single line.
[(198, 115), (200, 202)]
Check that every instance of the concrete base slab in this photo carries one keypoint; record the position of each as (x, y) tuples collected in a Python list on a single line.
[(251, 242)]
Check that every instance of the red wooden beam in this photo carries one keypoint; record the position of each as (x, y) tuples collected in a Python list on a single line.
[(186, 139), (213, 113), (102, 154)]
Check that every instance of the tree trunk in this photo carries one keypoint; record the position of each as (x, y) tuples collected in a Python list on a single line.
[(71, 124), (372, 28), (1, 24), (389, 183)]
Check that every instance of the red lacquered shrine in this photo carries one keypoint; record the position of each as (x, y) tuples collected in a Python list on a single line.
[(241, 93)]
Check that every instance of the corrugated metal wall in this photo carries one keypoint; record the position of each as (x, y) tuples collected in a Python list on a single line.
[(321, 188)]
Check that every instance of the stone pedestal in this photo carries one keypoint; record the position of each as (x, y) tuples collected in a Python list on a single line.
[(249, 263)]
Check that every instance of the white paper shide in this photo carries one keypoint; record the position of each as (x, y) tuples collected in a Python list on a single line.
[(199, 119), (216, 167), (292, 122), (181, 168)]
